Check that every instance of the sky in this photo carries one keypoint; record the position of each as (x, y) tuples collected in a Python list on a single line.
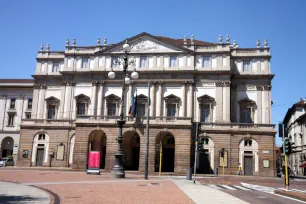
[(24, 25)]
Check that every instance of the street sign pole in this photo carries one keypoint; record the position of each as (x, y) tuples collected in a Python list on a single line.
[(223, 163), (195, 153)]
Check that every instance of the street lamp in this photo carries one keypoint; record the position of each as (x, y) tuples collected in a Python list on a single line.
[(118, 170)]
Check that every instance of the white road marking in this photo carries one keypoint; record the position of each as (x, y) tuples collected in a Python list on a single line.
[(297, 190), (228, 187), (214, 186), (242, 188)]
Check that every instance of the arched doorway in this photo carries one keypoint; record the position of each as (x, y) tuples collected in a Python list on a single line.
[(167, 141), (131, 149), (97, 142), (71, 149), (248, 156), (205, 161), (7, 146), (40, 149)]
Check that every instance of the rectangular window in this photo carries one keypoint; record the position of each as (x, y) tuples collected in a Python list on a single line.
[(28, 115), (55, 67), (247, 66), (141, 110), (171, 110), (11, 117), (30, 101), (51, 112), (204, 113), (81, 109), (143, 61), (13, 103), (111, 109), (85, 63), (206, 61), (173, 61), (115, 62), (245, 115)]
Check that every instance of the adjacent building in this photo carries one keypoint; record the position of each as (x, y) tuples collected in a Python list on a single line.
[(295, 120), (225, 88), (16, 103)]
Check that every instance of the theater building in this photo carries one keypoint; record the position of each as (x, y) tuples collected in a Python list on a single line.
[(225, 88)]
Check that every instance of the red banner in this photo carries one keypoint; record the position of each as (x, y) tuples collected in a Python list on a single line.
[(94, 160)]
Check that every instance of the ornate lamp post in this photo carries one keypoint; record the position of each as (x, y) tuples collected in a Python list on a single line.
[(118, 170)]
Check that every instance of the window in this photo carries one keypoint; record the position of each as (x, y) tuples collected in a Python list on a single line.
[(85, 63), (115, 62), (143, 61), (173, 60), (11, 117), (81, 108), (51, 112), (111, 109), (170, 140), (171, 110), (41, 137), (206, 61), (245, 115), (247, 66), (248, 143), (30, 101), (55, 67), (28, 115), (206, 141), (13, 103), (141, 110), (204, 113)]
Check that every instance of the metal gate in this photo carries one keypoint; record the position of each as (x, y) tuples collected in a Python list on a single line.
[(248, 165), (40, 157)]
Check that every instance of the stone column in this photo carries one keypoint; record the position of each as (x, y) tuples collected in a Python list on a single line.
[(41, 103), (152, 97), (184, 99), (35, 101), (100, 99), (190, 100), (128, 98), (159, 99), (68, 99), (267, 93), (226, 101), (93, 99), (62, 100), (259, 103), (219, 101)]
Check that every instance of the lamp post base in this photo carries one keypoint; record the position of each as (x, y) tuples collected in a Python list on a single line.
[(118, 170)]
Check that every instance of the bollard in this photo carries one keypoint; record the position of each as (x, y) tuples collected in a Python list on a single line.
[(188, 174), (216, 171)]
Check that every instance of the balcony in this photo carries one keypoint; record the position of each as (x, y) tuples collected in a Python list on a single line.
[(135, 120), (238, 127), (47, 122)]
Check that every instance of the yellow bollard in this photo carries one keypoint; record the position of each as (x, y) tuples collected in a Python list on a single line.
[(286, 172)]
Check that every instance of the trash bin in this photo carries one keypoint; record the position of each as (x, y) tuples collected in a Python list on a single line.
[(188, 174), (216, 171)]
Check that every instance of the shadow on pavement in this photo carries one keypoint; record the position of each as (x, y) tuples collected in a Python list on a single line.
[(4, 198)]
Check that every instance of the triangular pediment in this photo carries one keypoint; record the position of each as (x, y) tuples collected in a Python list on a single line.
[(145, 43), (112, 97), (247, 100), (52, 98), (172, 97), (206, 98), (82, 96)]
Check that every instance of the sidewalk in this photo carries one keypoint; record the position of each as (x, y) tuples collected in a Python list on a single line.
[(204, 194), (19, 193)]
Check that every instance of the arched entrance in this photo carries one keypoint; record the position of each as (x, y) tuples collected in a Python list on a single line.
[(40, 149), (131, 149), (167, 141), (7, 146), (71, 149), (97, 142), (248, 156), (205, 161)]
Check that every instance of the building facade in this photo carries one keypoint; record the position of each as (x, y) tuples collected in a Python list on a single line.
[(225, 88), (295, 120), (15, 105)]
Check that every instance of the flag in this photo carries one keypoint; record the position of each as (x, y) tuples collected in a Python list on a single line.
[(134, 110)]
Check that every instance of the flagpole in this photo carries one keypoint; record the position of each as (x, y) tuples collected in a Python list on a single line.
[(147, 135)]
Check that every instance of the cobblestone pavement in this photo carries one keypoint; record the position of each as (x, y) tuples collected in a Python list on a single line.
[(78, 187)]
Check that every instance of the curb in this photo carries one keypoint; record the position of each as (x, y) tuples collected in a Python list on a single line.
[(291, 194)]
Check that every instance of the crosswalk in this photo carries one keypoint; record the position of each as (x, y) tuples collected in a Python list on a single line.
[(250, 188)]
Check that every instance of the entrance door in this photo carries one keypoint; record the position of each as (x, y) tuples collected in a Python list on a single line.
[(168, 160), (204, 163), (248, 165), (135, 158), (40, 157)]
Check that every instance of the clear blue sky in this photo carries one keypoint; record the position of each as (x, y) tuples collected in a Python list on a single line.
[(24, 25)]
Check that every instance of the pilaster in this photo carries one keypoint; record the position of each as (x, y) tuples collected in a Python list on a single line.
[(190, 99), (62, 100), (35, 101), (159, 99), (93, 109), (152, 97), (184, 98), (41, 102), (259, 103), (100, 108)]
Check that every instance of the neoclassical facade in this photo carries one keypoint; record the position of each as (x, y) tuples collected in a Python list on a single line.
[(15, 104), (295, 120), (225, 88)]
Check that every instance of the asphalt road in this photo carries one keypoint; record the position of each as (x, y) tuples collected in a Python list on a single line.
[(259, 197)]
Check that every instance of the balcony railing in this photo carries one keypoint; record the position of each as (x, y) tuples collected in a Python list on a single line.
[(238, 126), (47, 122)]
